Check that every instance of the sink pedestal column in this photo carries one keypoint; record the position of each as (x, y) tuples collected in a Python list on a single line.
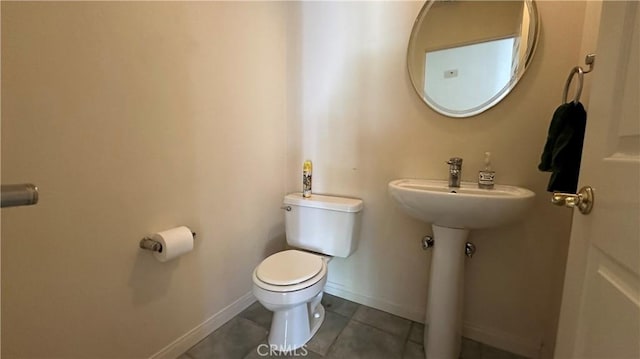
[(443, 336)]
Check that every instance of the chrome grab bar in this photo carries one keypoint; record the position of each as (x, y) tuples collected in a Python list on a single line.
[(13, 195)]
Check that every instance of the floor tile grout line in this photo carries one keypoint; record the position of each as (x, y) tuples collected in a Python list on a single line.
[(315, 352), (358, 305), (256, 323), (336, 338), (249, 320), (380, 329), (266, 335), (406, 340), (250, 350), (342, 315)]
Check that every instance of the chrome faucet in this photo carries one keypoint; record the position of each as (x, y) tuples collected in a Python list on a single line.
[(455, 171)]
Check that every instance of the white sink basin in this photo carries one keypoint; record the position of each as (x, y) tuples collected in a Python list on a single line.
[(467, 207)]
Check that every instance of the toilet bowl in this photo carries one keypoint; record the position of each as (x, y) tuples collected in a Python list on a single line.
[(293, 297), (291, 283)]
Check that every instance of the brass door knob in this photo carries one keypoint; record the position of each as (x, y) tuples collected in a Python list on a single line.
[(583, 200)]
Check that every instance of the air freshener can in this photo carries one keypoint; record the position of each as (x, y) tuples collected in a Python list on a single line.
[(307, 169)]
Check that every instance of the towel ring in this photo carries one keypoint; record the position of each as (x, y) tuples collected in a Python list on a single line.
[(576, 70), (590, 61)]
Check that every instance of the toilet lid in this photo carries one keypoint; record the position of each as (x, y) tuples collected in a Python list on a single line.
[(289, 267)]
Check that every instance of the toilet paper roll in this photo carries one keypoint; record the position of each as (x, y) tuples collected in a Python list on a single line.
[(175, 242)]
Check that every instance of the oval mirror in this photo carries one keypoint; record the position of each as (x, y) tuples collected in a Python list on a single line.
[(466, 56)]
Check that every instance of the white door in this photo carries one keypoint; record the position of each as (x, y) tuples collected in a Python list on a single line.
[(600, 315)]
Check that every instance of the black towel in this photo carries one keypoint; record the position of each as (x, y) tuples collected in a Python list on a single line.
[(563, 149)]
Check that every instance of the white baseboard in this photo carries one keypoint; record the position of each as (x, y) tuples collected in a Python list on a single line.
[(342, 292), (502, 340), (192, 337), (489, 336)]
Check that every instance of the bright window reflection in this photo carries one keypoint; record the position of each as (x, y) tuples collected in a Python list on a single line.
[(467, 77)]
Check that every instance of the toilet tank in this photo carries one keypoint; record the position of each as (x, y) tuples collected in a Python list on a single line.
[(323, 224)]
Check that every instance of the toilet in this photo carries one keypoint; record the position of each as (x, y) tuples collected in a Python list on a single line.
[(291, 283)]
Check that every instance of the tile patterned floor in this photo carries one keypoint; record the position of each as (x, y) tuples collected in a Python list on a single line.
[(349, 331)]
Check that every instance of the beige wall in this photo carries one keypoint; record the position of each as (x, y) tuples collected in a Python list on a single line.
[(362, 125), (133, 118), (456, 23)]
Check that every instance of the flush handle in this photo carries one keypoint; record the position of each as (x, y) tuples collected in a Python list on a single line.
[(13, 195), (469, 249), (583, 200), (427, 242)]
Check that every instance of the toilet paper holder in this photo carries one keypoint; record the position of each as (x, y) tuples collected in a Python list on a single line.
[(155, 246)]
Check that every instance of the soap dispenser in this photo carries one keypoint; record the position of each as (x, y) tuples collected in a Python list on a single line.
[(486, 177)]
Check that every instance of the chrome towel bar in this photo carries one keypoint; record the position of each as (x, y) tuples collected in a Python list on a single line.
[(14, 195)]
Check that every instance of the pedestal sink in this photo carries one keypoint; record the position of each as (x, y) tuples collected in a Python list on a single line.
[(453, 212)]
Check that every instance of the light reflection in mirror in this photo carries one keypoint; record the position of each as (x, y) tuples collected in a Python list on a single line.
[(464, 78)]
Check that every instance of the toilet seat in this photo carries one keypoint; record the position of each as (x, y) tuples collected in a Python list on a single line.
[(289, 271), (289, 267)]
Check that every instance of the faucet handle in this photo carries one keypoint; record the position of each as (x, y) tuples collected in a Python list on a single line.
[(455, 161)]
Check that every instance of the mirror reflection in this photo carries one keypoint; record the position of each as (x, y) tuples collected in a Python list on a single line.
[(466, 56)]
